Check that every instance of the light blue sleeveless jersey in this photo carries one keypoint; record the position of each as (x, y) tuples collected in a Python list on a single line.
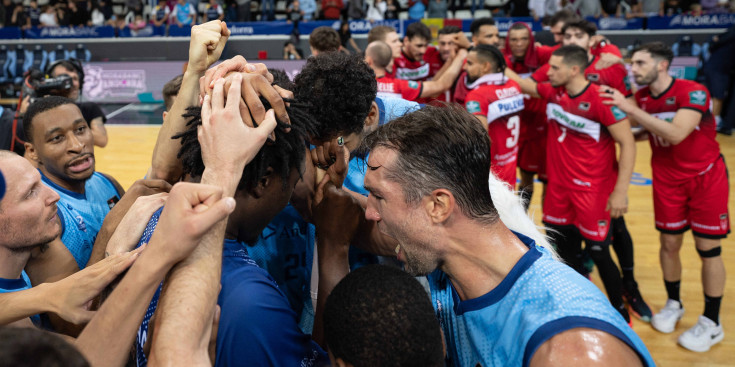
[(82, 214), (538, 299), (285, 249)]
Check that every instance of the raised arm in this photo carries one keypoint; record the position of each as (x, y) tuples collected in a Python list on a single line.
[(190, 294), (673, 132), (528, 85), (191, 210), (446, 80), (206, 45)]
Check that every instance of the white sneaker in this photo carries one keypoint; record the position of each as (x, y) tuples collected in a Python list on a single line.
[(666, 319), (702, 336)]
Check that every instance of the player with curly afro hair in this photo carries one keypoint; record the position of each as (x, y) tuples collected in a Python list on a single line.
[(339, 89), (379, 315)]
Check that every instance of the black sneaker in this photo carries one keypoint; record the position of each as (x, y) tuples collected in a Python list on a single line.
[(624, 311), (637, 305)]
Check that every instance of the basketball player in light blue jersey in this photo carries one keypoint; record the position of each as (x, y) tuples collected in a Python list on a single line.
[(501, 299), (60, 144)]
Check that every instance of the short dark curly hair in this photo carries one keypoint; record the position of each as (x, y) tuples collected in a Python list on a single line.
[(324, 39), (380, 316), (282, 155), (38, 107), (339, 88), (418, 29)]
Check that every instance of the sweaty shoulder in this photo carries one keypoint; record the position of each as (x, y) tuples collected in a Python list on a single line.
[(583, 347)]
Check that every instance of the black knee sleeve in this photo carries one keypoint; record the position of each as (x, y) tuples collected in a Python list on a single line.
[(710, 253)]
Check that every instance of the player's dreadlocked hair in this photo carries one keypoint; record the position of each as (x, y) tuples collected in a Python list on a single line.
[(381, 316), (339, 90), (286, 153)]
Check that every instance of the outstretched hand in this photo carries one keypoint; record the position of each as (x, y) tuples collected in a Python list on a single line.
[(71, 297)]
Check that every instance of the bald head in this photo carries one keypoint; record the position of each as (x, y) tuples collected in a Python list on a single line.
[(380, 54)]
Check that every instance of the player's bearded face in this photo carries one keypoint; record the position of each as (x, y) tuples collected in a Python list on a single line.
[(647, 76), (415, 246)]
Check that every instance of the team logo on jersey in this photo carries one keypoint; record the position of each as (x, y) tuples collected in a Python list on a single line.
[(723, 221), (697, 97), (618, 113), (593, 77), (602, 227), (413, 85), (80, 223), (473, 106), (671, 100), (112, 201), (584, 106)]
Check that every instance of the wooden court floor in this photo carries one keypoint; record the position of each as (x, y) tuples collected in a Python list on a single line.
[(128, 156)]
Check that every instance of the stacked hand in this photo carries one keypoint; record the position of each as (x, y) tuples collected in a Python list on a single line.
[(256, 82), (191, 211), (227, 142), (131, 228)]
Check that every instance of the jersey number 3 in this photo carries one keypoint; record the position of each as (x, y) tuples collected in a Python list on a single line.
[(514, 125)]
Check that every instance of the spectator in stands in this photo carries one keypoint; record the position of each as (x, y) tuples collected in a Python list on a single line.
[(79, 13), (97, 17), (243, 10), (695, 9), (213, 11), (652, 7), (392, 9), (309, 9), (47, 18), (586, 8), (416, 9), (294, 14), (672, 7), (33, 14), (519, 8), (437, 9), (63, 17), (7, 12), (323, 39), (184, 14), (160, 14), (345, 37), (356, 9), (268, 11), (106, 8), (538, 9), (376, 11), (331, 9), (19, 17), (290, 52), (137, 22)]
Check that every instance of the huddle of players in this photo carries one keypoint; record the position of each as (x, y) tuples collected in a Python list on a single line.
[(514, 92)]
